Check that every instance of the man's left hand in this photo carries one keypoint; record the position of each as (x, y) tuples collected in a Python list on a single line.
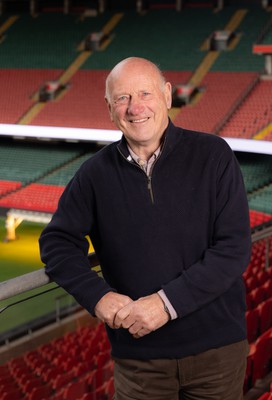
[(142, 316)]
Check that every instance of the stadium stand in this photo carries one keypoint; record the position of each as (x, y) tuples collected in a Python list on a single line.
[(253, 115), (65, 368), (233, 101)]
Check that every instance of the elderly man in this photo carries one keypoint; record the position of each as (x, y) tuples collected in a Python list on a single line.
[(167, 214)]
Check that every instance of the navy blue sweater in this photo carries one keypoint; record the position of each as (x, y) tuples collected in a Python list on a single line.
[(186, 230)]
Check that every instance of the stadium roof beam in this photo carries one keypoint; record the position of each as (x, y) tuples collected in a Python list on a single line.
[(106, 136)]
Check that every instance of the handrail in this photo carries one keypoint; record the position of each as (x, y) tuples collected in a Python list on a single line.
[(39, 278), (261, 234), (32, 280)]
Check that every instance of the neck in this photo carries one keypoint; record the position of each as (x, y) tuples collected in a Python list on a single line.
[(144, 152)]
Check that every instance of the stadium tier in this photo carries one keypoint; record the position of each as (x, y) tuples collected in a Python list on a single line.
[(66, 368), (222, 78)]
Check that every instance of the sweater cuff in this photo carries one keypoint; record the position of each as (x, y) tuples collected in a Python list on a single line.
[(172, 311)]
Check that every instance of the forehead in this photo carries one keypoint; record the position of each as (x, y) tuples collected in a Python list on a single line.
[(131, 77)]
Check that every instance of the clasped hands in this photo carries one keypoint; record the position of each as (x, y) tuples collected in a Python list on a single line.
[(139, 317)]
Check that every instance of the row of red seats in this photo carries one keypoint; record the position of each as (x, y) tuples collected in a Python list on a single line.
[(266, 395), (254, 114), (258, 218), (258, 283), (34, 197), (44, 198), (259, 359), (59, 369), (8, 186)]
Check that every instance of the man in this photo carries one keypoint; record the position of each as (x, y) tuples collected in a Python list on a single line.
[(167, 213)]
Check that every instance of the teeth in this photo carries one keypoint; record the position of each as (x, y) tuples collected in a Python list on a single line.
[(139, 120)]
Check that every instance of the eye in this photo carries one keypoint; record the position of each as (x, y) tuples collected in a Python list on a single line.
[(124, 99), (145, 95)]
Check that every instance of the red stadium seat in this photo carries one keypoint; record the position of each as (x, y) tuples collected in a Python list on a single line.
[(39, 393), (88, 396), (265, 314), (265, 396), (257, 296), (261, 355), (62, 380), (74, 390), (253, 323), (14, 394)]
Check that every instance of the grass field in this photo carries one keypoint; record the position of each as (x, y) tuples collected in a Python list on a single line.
[(17, 258), (20, 256)]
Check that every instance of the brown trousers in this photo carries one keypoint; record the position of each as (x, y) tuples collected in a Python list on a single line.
[(216, 374)]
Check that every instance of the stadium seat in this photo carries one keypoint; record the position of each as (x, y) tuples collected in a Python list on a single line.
[(30, 384), (265, 315), (261, 355), (251, 283), (6, 379), (265, 396), (268, 286), (106, 391), (74, 390), (88, 396), (14, 394), (62, 380), (80, 369), (257, 296), (39, 393), (253, 324)]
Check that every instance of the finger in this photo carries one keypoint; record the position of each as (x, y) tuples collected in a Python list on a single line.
[(121, 316), (135, 328), (142, 332)]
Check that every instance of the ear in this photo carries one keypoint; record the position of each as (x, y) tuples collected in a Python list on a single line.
[(109, 107), (168, 94)]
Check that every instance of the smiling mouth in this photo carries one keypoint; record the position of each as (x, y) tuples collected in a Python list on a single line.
[(138, 121)]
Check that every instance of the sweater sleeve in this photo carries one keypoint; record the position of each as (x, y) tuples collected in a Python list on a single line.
[(64, 247), (228, 254)]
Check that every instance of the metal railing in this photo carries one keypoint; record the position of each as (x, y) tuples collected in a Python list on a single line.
[(32, 280), (38, 279)]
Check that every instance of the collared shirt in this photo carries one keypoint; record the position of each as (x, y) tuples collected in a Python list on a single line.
[(146, 166)]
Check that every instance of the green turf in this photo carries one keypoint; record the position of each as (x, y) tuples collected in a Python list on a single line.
[(20, 257)]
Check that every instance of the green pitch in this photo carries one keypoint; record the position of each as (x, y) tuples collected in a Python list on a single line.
[(20, 257)]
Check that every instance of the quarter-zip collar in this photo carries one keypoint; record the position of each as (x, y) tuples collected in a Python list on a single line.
[(170, 140)]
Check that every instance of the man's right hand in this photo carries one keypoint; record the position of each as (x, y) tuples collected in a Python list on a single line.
[(109, 305)]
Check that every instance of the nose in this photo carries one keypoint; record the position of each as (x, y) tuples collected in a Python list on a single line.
[(135, 106)]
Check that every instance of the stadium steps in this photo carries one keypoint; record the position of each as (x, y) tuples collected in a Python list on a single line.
[(265, 133), (207, 114), (69, 72), (241, 58), (89, 108)]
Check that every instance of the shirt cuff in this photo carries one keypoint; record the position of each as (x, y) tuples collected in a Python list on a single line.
[(172, 311)]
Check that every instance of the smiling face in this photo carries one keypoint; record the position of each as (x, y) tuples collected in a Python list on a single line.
[(138, 100)]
